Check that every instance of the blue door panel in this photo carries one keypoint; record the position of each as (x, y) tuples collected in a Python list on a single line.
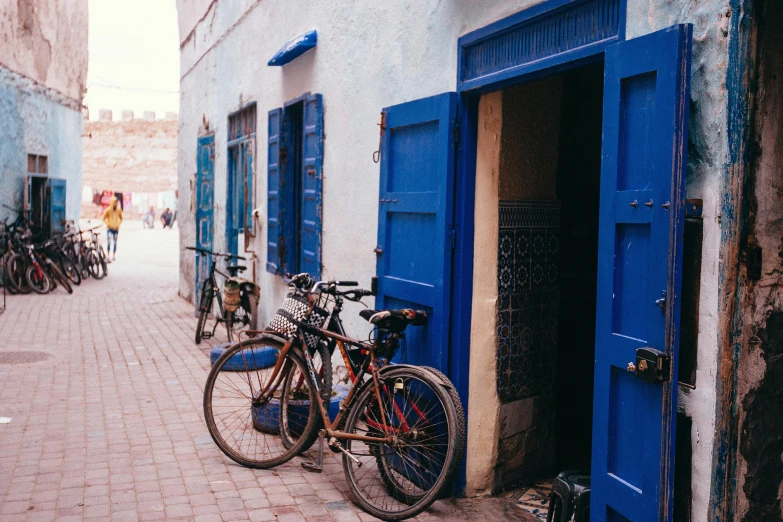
[(312, 167), (205, 207), (641, 216), (415, 220), (274, 218), (57, 204)]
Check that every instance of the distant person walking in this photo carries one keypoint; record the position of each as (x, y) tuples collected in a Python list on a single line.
[(112, 217), (149, 218), (167, 218)]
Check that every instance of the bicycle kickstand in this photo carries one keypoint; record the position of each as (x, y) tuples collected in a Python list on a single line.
[(318, 466)]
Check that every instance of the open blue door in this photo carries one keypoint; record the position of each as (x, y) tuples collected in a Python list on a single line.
[(57, 205), (205, 208), (415, 223), (646, 96)]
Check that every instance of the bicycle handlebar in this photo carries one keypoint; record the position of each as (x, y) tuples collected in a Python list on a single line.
[(204, 251)]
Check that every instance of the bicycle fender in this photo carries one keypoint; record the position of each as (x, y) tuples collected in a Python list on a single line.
[(437, 378)]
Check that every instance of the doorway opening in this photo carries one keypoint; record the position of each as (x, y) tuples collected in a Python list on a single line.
[(550, 163)]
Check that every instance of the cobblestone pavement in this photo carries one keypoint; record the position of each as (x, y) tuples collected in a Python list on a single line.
[(110, 424)]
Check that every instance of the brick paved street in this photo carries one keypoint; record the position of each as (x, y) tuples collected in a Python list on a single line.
[(110, 425)]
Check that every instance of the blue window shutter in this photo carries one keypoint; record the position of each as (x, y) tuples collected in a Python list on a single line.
[(312, 166), (275, 242), (58, 204)]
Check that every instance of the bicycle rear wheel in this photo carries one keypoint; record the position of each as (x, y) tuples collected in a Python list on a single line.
[(401, 478), (70, 270), (37, 279), (295, 392), (58, 276), (204, 308), (94, 262), (245, 428)]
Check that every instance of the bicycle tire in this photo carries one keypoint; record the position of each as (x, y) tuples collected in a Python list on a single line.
[(58, 275), (363, 485), (10, 287), (70, 270), (83, 264), (324, 376), (95, 265), (204, 308), (102, 259), (40, 285), (16, 272), (247, 411)]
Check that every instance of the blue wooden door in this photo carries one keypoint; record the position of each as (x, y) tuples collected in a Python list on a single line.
[(205, 207), (415, 222), (57, 206), (643, 166)]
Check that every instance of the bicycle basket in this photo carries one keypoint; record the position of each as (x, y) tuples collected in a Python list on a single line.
[(294, 310)]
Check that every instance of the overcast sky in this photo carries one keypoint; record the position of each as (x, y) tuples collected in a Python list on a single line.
[(134, 57)]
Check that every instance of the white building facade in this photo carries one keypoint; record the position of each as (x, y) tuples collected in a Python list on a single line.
[(562, 185)]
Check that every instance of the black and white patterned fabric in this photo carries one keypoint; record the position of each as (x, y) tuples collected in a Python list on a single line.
[(294, 310)]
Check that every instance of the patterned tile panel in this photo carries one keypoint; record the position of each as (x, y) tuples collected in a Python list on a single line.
[(528, 257)]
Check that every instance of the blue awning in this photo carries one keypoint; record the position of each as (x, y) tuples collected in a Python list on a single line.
[(295, 48)]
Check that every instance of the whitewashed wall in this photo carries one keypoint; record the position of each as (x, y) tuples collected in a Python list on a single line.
[(375, 54)]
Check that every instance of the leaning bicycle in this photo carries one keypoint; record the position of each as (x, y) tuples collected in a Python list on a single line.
[(399, 430), (236, 305)]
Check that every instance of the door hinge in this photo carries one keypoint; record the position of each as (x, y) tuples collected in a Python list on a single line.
[(453, 239)]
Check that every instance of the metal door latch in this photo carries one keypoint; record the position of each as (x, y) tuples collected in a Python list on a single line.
[(662, 301), (651, 365)]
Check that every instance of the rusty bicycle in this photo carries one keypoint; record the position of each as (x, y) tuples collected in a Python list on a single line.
[(400, 429)]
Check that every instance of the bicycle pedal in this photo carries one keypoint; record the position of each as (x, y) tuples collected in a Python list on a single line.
[(312, 467)]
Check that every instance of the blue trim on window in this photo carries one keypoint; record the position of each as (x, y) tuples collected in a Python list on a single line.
[(548, 35), (295, 48)]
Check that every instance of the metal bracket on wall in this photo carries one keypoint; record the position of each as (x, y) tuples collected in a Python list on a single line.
[(376, 156)]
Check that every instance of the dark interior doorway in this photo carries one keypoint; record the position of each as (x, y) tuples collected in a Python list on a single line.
[(549, 186)]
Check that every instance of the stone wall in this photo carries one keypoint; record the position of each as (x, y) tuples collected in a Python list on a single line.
[(130, 155), (46, 41)]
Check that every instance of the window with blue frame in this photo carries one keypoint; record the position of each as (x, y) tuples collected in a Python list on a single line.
[(294, 186), (239, 197)]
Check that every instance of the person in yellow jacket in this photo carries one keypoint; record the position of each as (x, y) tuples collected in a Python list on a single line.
[(112, 217)]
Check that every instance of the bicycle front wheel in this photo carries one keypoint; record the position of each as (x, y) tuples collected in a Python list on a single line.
[(37, 279), (399, 479), (244, 424)]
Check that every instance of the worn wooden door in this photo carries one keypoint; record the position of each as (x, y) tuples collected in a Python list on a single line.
[(57, 206), (646, 96), (205, 208), (415, 224)]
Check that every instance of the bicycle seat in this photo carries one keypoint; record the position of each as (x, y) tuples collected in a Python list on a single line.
[(235, 269), (394, 321)]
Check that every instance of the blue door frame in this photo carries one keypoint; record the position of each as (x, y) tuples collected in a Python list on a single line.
[(479, 70)]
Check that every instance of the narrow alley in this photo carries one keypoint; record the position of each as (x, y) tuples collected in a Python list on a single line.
[(103, 389)]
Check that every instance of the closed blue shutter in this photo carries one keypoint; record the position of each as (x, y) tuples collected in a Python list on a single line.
[(248, 196), (275, 247), (312, 165), (205, 209), (58, 204)]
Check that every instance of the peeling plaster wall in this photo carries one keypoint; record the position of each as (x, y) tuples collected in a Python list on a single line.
[(760, 468), (32, 123), (46, 40), (43, 69)]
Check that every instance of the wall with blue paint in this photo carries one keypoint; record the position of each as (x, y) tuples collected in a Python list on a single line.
[(36, 120)]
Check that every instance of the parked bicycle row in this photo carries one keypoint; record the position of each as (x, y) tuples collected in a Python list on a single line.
[(399, 428), (30, 264)]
